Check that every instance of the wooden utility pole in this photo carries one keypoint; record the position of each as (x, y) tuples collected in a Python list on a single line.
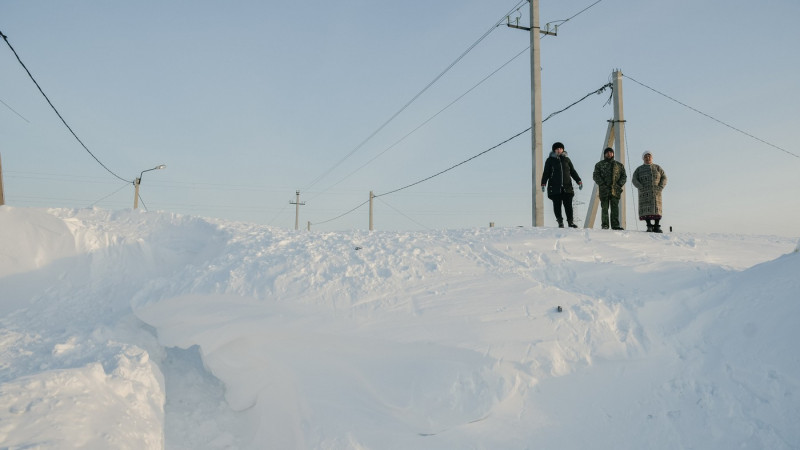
[(2, 196), (297, 204)]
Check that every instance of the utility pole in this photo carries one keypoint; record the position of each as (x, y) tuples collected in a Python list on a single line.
[(2, 196), (536, 118), (619, 136), (615, 134), (371, 198), (297, 204), (536, 112)]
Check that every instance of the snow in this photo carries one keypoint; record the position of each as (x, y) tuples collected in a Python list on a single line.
[(123, 329)]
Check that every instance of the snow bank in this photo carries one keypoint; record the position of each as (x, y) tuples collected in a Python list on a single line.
[(147, 329)]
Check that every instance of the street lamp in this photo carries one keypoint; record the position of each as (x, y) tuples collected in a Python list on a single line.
[(138, 181)]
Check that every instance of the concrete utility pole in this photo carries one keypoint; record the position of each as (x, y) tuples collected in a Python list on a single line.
[(536, 118), (537, 167), (619, 136), (614, 134), (297, 210), (2, 196), (371, 201), (138, 181)]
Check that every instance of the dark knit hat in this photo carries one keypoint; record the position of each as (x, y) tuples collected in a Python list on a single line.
[(609, 149), (558, 145)]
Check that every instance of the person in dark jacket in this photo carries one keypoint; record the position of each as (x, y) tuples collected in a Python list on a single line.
[(610, 178), (650, 179), (557, 178)]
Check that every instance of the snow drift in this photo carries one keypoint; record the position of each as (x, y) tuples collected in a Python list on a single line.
[(149, 330)]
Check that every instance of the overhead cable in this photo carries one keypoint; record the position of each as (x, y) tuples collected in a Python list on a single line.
[(430, 118), (595, 92), (413, 99), (56, 110), (712, 118)]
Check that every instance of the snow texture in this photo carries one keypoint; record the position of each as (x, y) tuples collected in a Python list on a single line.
[(123, 329)]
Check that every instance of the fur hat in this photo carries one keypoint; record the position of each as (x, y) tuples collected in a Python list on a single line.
[(647, 152), (609, 149), (558, 145)]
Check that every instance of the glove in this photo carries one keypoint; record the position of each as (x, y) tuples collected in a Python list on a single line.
[(543, 188), (580, 186)]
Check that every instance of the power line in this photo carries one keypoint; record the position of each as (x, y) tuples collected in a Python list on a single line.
[(14, 111), (404, 215), (5, 38), (413, 99), (595, 92), (429, 119), (109, 195), (712, 118), (498, 23)]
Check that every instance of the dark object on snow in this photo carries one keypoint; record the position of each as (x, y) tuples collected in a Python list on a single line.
[(358, 248), (559, 309)]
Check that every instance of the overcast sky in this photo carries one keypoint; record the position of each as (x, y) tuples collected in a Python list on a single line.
[(248, 101)]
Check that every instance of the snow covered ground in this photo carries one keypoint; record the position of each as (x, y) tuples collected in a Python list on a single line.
[(123, 329)]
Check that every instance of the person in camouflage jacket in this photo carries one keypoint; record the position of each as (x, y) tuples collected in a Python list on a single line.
[(610, 177)]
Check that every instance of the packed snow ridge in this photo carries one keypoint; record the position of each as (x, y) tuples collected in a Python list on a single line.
[(132, 330)]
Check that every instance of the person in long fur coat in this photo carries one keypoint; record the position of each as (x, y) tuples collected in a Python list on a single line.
[(650, 179)]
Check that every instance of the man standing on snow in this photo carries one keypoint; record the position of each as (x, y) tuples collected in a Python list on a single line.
[(558, 170), (610, 177)]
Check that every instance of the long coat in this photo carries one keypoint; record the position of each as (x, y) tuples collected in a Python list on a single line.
[(557, 173), (650, 180), (610, 177)]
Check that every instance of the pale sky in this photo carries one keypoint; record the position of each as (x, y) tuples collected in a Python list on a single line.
[(248, 101)]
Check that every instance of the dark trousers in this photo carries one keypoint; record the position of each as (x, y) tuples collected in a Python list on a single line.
[(566, 200), (611, 203)]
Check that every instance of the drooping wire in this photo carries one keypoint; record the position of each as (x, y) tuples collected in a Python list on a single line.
[(5, 38), (562, 22), (430, 118), (595, 92), (404, 215), (710, 117), (14, 111), (109, 195), (142, 202), (413, 99), (628, 156), (456, 165), (343, 214)]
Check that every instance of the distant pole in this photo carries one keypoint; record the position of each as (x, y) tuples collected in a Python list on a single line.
[(536, 117), (371, 198), (138, 181), (297, 204), (619, 137), (136, 184), (2, 196)]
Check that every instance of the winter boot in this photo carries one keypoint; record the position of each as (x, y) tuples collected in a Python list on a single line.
[(649, 228), (560, 224), (572, 225), (657, 229)]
